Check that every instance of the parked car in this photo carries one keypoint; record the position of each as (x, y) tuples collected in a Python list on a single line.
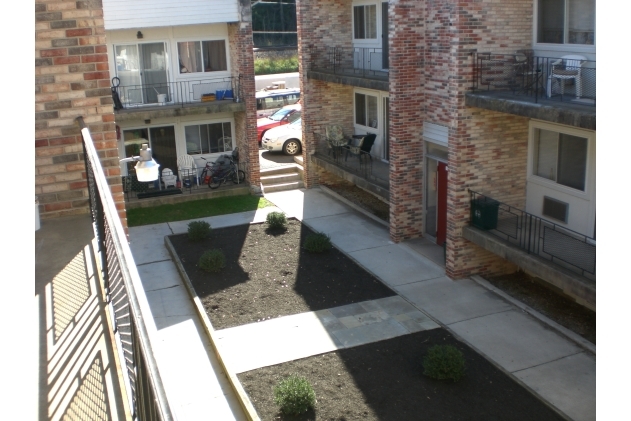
[(270, 101), (285, 115), (287, 138)]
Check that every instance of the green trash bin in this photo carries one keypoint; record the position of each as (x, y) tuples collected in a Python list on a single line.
[(484, 213)]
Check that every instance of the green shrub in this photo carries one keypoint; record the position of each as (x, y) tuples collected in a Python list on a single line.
[(317, 243), (212, 260), (276, 220), (266, 66), (294, 395), (444, 362), (198, 230)]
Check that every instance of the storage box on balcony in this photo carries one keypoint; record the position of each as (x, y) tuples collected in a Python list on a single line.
[(484, 213)]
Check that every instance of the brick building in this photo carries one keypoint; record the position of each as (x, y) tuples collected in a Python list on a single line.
[(180, 71), (484, 125)]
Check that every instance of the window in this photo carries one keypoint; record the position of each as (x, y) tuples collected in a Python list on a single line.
[(566, 21), (365, 22), (202, 56), (208, 138), (561, 158), (366, 110)]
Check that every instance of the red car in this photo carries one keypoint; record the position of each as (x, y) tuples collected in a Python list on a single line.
[(285, 115)]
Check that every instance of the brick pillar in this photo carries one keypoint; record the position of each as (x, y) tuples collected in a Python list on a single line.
[(242, 62), (71, 80), (407, 38)]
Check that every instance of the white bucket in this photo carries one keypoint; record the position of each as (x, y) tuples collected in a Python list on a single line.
[(37, 224), (162, 99)]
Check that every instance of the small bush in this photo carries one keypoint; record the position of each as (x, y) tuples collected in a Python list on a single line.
[(444, 362), (317, 243), (198, 230), (212, 260), (266, 66), (276, 220), (294, 395)]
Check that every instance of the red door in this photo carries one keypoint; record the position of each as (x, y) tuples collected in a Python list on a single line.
[(441, 211)]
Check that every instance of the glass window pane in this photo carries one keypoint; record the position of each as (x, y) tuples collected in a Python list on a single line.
[(214, 53), (358, 15), (190, 55), (551, 21), (193, 140), (546, 148), (572, 161), (581, 21), (372, 111), (360, 109), (215, 132), (203, 130), (371, 21)]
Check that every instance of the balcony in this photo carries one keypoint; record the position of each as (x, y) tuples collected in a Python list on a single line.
[(363, 170), (355, 66), (544, 88), (173, 99), (562, 257)]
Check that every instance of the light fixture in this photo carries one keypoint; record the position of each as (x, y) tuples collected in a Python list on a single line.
[(147, 169), (139, 35)]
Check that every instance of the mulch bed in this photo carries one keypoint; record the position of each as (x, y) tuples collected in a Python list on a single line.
[(384, 381), (268, 274)]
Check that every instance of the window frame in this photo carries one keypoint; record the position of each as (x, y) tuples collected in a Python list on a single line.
[(206, 123), (368, 127), (178, 69), (589, 159), (377, 38), (577, 48)]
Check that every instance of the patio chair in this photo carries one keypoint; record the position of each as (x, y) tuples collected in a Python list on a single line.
[(564, 69), (187, 168), (335, 135), (168, 178), (363, 147)]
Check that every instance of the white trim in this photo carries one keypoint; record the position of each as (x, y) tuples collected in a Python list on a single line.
[(571, 48), (196, 75), (367, 42), (436, 133)]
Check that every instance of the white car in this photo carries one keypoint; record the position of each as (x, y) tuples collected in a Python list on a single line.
[(286, 138)]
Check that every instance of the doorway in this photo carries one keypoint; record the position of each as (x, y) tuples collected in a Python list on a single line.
[(386, 129), (436, 176), (161, 140), (384, 36), (142, 70)]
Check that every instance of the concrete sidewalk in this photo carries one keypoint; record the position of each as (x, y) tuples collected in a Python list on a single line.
[(560, 372)]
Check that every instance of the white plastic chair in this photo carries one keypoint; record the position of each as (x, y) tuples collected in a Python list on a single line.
[(168, 178), (186, 167), (566, 68)]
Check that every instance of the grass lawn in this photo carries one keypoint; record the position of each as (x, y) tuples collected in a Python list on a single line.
[(195, 209)]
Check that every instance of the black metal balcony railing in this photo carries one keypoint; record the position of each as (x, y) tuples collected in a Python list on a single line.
[(124, 294), (352, 61), (177, 93), (535, 235), (537, 77)]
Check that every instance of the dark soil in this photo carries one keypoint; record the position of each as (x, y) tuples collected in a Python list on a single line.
[(268, 274), (548, 302), (525, 288), (384, 381)]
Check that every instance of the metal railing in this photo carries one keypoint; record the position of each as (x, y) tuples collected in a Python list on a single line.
[(178, 93), (352, 61), (533, 234), (536, 77), (124, 295), (360, 164)]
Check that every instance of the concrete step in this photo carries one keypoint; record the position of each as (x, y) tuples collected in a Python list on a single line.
[(288, 177), (281, 170), (283, 187)]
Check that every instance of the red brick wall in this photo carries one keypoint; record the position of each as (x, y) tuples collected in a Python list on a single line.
[(322, 24), (71, 80), (407, 38), (242, 62)]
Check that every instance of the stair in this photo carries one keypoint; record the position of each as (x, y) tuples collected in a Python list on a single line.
[(281, 178)]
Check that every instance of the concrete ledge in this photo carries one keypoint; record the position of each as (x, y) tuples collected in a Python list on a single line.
[(379, 191), (359, 209), (187, 197), (178, 110), (581, 289), (242, 396)]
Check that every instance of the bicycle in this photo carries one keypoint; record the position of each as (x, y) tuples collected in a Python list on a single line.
[(223, 169)]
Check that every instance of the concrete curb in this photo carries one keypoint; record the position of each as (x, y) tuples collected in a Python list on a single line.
[(347, 202), (242, 396), (579, 340)]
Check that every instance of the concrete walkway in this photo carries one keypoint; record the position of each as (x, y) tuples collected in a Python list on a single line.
[(557, 369)]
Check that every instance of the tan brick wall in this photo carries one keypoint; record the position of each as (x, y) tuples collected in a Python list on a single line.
[(71, 80), (242, 63)]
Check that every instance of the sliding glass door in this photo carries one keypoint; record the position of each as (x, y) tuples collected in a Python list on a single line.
[(142, 70)]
